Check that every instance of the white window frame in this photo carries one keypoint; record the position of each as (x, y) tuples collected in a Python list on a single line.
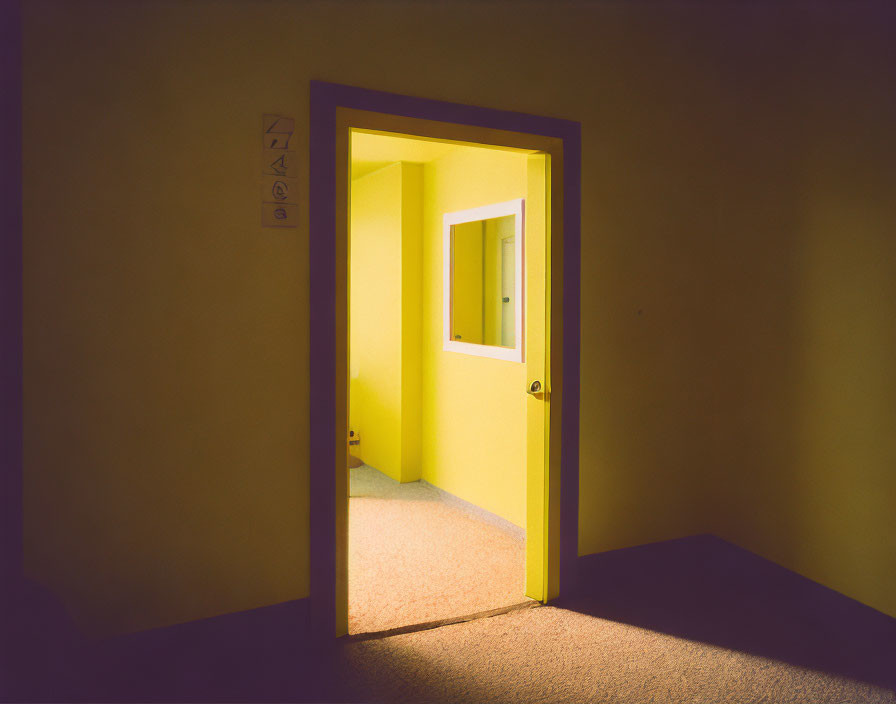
[(486, 212)]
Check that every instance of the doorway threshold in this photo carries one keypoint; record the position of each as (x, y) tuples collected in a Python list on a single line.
[(429, 625)]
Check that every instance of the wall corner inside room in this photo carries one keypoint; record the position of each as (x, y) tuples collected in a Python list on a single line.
[(385, 348), (411, 320), (375, 318)]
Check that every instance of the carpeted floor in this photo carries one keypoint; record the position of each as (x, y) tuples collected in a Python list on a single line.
[(417, 554), (549, 655), (679, 622)]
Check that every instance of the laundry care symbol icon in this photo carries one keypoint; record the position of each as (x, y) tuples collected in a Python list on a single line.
[(279, 166), (279, 132), (280, 213), (280, 190)]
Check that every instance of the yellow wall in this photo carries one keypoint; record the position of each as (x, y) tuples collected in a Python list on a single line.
[(376, 318), (737, 271), (472, 432), (467, 310), (411, 321), (474, 408), (386, 219)]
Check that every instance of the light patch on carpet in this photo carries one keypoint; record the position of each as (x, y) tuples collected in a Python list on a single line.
[(550, 655)]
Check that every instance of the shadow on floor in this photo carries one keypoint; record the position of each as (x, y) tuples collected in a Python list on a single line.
[(262, 655), (699, 588), (705, 589)]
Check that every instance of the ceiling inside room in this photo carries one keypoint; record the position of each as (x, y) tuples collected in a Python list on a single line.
[(374, 151)]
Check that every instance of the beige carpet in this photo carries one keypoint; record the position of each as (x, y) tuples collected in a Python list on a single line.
[(417, 554), (546, 654)]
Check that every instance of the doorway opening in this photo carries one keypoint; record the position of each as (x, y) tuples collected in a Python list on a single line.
[(446, 281), (549, 389)]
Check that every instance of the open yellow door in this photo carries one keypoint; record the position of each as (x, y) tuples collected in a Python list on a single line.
[(537, 328)]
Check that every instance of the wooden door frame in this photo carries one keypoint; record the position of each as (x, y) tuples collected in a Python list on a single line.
[(329, 324)]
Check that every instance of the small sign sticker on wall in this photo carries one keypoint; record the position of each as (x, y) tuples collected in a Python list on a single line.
[(279, 214), (278, 189), (278, 131), (279, 163), (278, 185)]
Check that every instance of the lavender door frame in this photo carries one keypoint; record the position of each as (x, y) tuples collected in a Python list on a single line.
[(326, 98), (11, 354)]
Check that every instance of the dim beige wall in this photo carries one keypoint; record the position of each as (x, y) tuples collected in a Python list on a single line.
[(737, 296), (805, 309)]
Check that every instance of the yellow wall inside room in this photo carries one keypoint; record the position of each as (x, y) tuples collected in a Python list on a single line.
[(737, 271), (411, 321), (384, 356), (470, 434), (467, 310), (474, 408), (375, 353)]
